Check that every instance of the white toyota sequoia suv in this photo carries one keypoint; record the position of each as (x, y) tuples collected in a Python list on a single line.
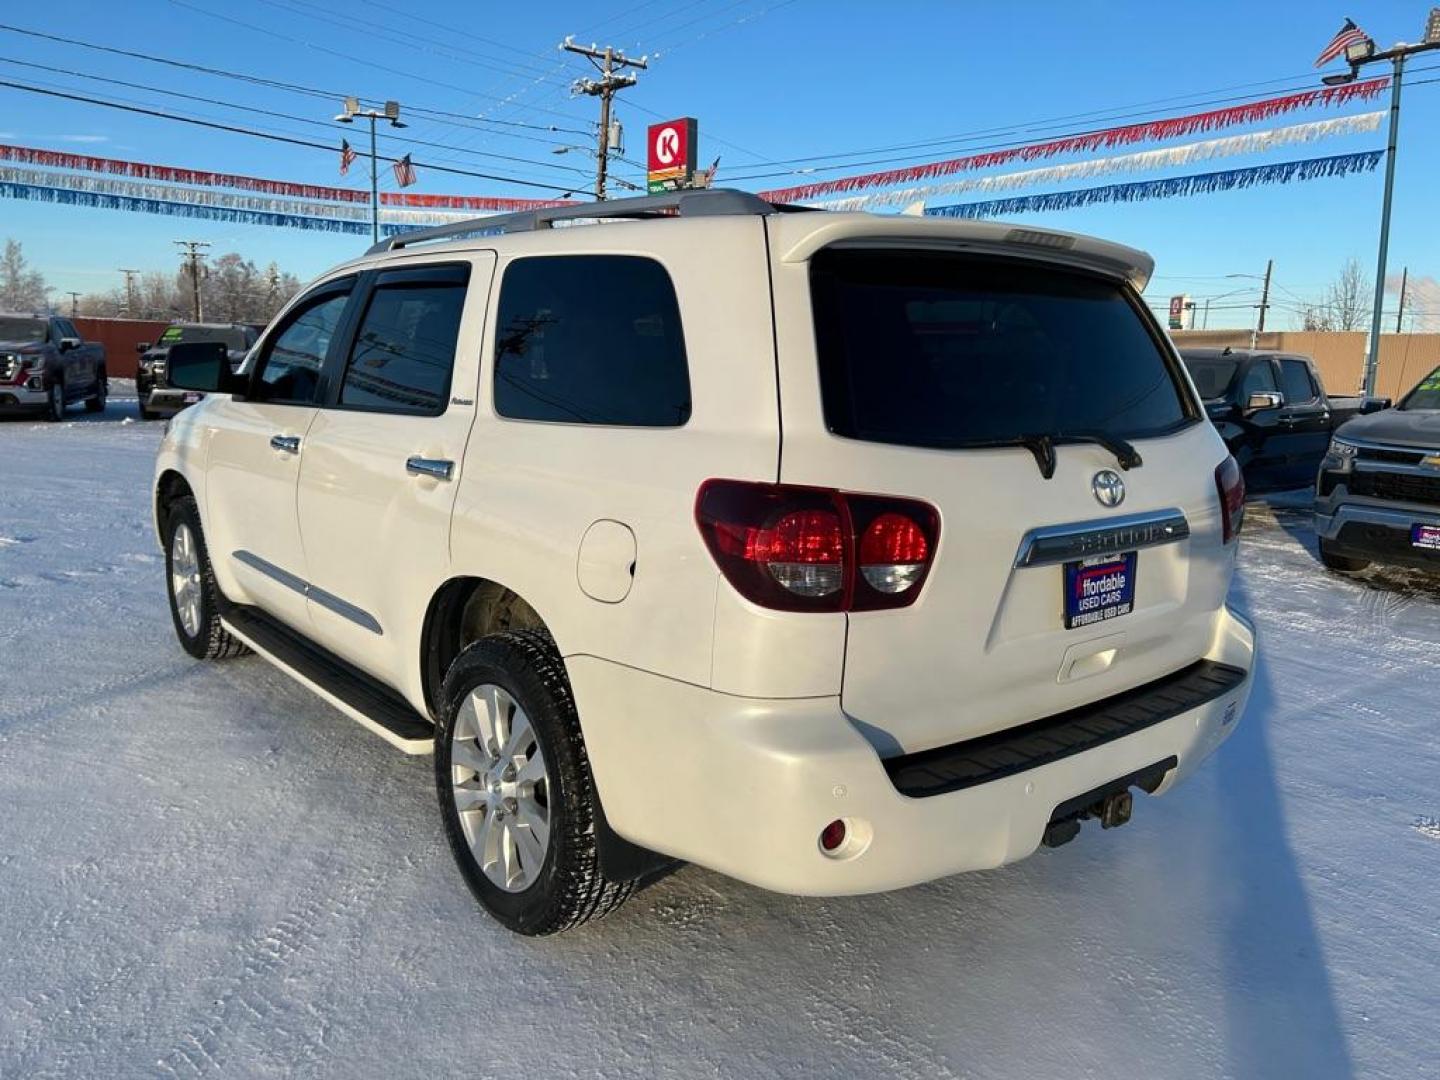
[(834, 552)]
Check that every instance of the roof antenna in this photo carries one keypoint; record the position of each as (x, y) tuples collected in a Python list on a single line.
[(1226, 351)]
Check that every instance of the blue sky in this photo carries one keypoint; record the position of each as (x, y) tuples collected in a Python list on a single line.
[(769, 80)]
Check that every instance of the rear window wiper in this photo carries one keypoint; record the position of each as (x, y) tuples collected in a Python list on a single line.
[(1125, 453), (1043, 447)]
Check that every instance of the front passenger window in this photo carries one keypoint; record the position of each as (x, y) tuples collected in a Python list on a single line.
[(289, 370)]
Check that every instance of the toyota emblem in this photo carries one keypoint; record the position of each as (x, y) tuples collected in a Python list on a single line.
[(1108, 487)]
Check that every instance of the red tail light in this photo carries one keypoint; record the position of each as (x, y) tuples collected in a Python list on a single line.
[(1230, 483), (815, 549)]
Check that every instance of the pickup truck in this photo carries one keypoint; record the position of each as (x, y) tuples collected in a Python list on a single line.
[(1377, 498), (1272, 411), (156, 398), (45, 366)]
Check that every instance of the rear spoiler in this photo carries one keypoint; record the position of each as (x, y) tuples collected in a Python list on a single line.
[(989, 237)]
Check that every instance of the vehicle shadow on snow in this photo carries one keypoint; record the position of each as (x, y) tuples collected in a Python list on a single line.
[(1281, 1018), (1202, 913)]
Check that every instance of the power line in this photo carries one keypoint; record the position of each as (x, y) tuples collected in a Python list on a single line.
[(255, 80), (290, 139), (310, 121)]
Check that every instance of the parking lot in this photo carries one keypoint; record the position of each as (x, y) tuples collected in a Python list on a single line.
[(205, 870)]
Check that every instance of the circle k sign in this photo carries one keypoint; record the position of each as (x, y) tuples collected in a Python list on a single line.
[(672, 148)]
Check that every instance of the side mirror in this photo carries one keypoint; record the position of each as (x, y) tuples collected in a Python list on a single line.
[(142, 347), (1264, 399), (1373, 405), (202, 365), (68, 343)]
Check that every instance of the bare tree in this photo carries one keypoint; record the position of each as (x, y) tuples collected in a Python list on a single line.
[(232, 290), (21, 289), (1349, 297)]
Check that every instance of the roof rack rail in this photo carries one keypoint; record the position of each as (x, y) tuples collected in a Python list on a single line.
[(698, 202)]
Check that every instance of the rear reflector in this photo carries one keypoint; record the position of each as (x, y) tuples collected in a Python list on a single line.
[(798, 548), (1230, 484), (832, 836)]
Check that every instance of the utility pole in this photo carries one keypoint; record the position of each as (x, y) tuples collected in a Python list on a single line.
[(74, 304), (1358, 55), (607, 61), (391, 112), (1265, 295), (192, 254), (1400, 312), (129, 290)]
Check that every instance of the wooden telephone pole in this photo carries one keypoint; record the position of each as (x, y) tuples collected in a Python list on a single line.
[(610, 62)]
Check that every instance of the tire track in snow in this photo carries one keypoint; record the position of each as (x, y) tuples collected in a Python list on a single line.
[(251, 994)]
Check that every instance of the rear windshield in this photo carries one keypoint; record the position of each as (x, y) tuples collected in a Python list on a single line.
[(1212, 375), (13, 329), (946, 350), (232, 337)]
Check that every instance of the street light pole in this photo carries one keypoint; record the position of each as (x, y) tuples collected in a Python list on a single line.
[(1372, 358), (391, 112), (1358, 55)]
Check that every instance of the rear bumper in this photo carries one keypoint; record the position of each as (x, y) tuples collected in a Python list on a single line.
[(744, 786)]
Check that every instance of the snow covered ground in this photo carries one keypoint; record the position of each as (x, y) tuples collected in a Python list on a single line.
[(206, 871)]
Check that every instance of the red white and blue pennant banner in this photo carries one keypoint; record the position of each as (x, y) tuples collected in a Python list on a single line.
[(1166, 157), (1284, 172), (1129, 134), (59, 159)]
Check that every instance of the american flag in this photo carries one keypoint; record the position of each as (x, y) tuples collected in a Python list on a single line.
[(404, 172), (1349, 34), (347, 156)]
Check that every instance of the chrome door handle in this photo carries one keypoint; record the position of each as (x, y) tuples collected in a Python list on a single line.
[(288, 443), (435, 468)]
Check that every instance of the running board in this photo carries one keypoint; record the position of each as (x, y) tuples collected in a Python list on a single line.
[(365, 700)]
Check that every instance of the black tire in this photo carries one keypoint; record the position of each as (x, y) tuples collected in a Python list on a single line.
[(210, 641), (1344, 564), (570, 888), (55, 406), (96, 401), (145, 414)]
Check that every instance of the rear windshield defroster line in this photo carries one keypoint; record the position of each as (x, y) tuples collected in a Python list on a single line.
[(949, 350)]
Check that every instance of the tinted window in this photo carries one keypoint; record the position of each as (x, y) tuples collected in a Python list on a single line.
[(934, 349), (1426, 394), (1259, 379), (290, 367), (591, 339), (234, 337), (1295, 382), (22, 330), (405, 349), (1212, 375)]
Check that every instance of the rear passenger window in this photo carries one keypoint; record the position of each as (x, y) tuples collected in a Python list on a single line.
[(1295, 382), (404, 351), (591, 339)]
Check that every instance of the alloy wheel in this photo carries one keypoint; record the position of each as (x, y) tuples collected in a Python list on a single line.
[(185, 578), (501, 788)]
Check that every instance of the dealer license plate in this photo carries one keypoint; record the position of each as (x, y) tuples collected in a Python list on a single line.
[(1097, 590), (1426, 537)]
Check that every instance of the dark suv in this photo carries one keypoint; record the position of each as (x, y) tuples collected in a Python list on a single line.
[(1377, 497), (156, 397)]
